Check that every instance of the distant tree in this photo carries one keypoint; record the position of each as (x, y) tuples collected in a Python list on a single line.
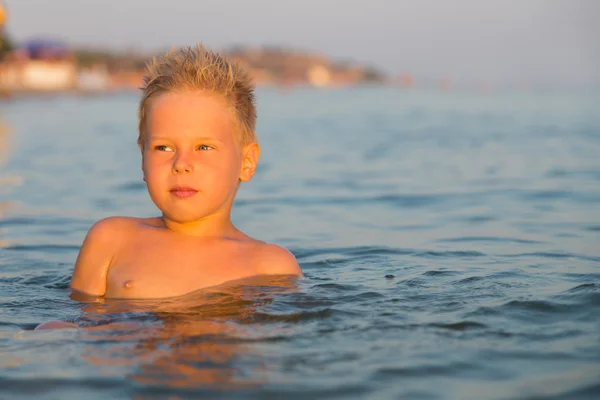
[(87, 57), (372, 75), (6, 44)]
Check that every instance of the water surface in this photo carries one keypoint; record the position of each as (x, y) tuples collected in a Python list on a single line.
[(450, 243)]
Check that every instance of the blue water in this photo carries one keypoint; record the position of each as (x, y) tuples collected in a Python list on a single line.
[(450, 243)]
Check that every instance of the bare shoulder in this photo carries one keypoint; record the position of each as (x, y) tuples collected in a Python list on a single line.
[(111, 225), (112, 229), (97, 251), (276, 260)]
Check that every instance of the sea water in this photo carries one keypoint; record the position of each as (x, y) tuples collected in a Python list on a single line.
[(449, 240)]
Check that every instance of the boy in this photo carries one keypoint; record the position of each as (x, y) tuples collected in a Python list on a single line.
[(196, 134)]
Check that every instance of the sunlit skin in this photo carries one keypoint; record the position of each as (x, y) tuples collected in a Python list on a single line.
[(193, 163)]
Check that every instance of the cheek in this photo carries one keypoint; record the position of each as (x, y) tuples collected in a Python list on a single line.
[(233, 173), (235, 165), (225, 168), (153, 172), (153, 163)]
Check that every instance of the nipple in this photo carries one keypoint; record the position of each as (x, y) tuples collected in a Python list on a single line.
[(128, 284)]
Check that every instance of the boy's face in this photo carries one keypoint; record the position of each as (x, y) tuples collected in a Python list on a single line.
[(191, 157)]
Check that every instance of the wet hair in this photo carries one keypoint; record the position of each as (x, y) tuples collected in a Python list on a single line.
[(198, 69)]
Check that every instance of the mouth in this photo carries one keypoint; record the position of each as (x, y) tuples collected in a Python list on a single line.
[(183, 191)]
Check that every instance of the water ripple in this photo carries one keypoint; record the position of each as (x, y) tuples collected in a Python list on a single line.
[(489, 239), (453, 254)]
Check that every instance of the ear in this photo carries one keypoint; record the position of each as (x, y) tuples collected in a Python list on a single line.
[(250, 156)]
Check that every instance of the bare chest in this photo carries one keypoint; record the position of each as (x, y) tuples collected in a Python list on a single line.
[(147, 271)]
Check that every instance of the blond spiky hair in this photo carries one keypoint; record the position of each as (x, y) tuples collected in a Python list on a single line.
[(195, 68)]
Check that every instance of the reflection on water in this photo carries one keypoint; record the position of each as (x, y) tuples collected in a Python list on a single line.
[(201, 339), (5, 182), (3, 142)]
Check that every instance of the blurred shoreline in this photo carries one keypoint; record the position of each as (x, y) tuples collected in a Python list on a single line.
[(43, 67), (47, 67)]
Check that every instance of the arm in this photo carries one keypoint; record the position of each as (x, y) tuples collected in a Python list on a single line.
[(275, 260), (94, 259)]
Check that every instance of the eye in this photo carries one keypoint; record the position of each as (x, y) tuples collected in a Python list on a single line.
[(162, 147), (205, 147)]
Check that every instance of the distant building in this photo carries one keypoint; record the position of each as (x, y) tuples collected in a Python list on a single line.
[(37, 75), (38, 65), (319, 75)]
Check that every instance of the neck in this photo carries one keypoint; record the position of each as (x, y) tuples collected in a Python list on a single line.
[(202, 228)]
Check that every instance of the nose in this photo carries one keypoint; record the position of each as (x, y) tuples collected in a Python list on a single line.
[(182, 163)]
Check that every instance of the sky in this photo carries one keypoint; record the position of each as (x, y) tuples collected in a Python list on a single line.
[(490, 41)]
